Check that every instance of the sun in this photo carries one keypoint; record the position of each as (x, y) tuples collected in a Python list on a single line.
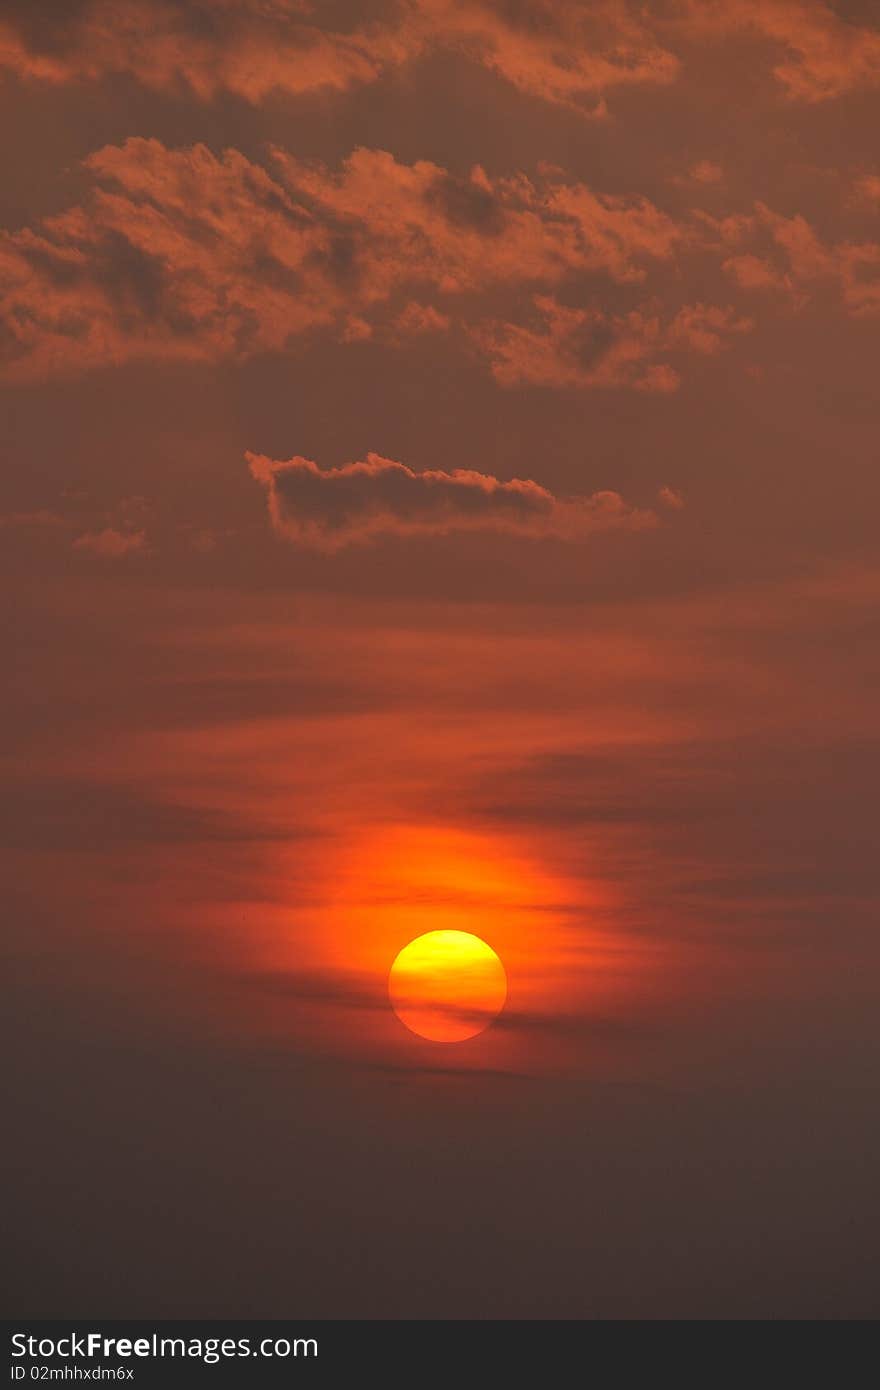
[(447, 986)]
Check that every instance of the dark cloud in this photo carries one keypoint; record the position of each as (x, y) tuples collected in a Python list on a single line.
[(333, 507)]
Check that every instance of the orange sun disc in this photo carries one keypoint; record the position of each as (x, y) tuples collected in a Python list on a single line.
[(447, 986)]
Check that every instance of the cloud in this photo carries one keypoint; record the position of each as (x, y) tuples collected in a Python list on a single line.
[(755, 273), (788, 255), (825, 55), (186, 256), (853, 267), (703, 328), (421, 223), (334, 507), (82, 523), (867, 188), (575, 348), (112, 544), (566, 55), (588, 348), (416, 319), (250, 48), (671, 498), (706, 171)]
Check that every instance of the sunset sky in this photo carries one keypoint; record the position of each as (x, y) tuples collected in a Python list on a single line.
[(441, 493)]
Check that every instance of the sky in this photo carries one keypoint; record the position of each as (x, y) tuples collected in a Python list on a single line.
[(441, 492)]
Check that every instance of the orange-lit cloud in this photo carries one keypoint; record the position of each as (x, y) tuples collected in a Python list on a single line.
[(817, 53), (671, 498), (81, 523), (588, 348), (786, 253), (250, 48), (567, 55), (868, 188), (332, 507), (112, 544), (423, 223), (706, 171), (417, 318), (182, 255)]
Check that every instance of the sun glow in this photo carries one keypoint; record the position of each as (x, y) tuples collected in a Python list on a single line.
[(527, 941), (447, 986)]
